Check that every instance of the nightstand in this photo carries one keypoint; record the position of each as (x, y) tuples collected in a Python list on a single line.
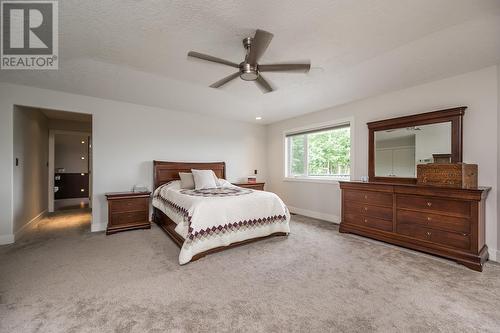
[(128, 211), (253, 186)]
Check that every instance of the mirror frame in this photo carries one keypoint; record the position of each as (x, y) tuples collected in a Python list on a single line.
[(453, 115)]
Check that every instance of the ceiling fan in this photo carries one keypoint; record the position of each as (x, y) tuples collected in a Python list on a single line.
[(249, 69)]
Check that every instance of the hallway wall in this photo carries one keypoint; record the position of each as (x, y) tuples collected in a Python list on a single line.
[(31, 136)]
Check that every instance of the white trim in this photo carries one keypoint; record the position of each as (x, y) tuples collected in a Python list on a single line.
[(317, 180), (96, 227), (6, 239), (337, 122), (316, 215), (494, 255), (312, 127), (32, 223)]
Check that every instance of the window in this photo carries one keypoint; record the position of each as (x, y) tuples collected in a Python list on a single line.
[(323, 153)]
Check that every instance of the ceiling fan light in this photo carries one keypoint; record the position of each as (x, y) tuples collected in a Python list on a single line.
[(248, 72)]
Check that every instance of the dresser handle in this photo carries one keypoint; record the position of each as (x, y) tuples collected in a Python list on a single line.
[(366, 209), (366, 197), (428, 233), (366, 221), (429, 204), (429, 218), (465, 235)]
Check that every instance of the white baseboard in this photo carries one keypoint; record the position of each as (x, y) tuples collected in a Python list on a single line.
[(96, 227), (6, 239), (20, 233), (315, 215), (494, 255)]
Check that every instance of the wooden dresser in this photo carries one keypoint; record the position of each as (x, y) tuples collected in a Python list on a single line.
[(447, 222), (128, 211), (253, 186)]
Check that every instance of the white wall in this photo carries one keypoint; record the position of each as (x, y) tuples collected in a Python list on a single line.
[(498, 162), (68, 153), (477, 90), (432, 139), (127, 138), (30, 176)]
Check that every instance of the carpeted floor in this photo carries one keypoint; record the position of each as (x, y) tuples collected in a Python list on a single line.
[(62, 278)]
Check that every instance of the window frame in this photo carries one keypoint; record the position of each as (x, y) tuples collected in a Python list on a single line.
[(316, 127)]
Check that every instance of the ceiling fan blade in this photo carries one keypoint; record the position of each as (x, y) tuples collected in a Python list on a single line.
[(225, 80), (259, 45), (303, 68), (263, 84), (211, 58)]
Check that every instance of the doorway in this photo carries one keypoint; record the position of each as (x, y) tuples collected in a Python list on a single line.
[(70, 170), (51, 146)]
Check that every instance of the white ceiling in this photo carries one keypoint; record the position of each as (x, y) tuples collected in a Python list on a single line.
[(135, 51)]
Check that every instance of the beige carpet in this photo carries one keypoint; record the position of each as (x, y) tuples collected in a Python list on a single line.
[(62, 278)]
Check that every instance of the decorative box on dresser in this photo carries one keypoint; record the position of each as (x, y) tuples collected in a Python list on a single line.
[(444, 221), (253, 186), (128, 211)]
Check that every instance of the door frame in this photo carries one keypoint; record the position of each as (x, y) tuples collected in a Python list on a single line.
[(51, 164)]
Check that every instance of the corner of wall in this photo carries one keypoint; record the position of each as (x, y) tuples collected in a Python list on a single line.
[(97, 227), (6, 239)]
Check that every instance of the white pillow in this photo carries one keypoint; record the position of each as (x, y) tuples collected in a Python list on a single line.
[(204, 179), (187, 180)]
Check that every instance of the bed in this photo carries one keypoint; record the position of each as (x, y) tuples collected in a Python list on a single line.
[(202, 222)]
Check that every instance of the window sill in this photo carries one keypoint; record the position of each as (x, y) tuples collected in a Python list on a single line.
[(313, 180)]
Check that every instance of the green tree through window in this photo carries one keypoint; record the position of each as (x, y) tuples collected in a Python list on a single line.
[(320, 154)]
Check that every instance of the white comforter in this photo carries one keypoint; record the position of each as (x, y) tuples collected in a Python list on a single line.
[(219, 217)]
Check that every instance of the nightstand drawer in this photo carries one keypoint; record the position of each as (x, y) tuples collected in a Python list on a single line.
[(129, 205), (128, 217), (253, 186), (128, 211)]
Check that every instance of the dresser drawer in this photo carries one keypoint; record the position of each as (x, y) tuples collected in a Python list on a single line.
[(368, 197), (129, 205), (370, 222), (451, 239), (129, 217), (434, 221), (356, 208), (444, 206)]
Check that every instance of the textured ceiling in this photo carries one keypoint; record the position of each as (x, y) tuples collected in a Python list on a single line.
[(135, 51)]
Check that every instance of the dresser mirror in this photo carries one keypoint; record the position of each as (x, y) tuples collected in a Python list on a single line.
[(397, 145)]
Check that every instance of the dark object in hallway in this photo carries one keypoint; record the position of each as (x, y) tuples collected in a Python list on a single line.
[(71, 185)]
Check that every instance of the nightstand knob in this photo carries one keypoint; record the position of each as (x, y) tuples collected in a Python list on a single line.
[(366, 209), (429, 218), (429, 204), (428, 233), (366, 197), (366, 221)]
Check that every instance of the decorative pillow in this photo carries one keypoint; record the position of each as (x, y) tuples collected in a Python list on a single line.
[(204, 179), (187, 180)]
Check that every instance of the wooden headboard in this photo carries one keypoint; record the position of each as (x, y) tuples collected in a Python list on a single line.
[(168, 171)]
